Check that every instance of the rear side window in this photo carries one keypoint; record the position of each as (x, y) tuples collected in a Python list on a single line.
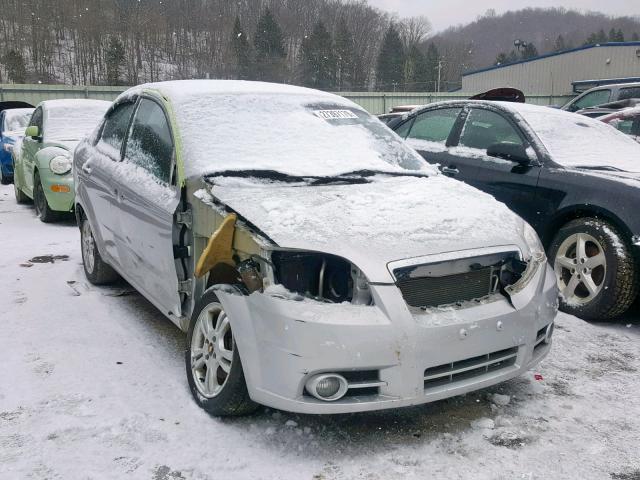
[(435, 125), (629, 92), (116, 125), (591, 100), (403, 130), (150, 145), (484, 128)]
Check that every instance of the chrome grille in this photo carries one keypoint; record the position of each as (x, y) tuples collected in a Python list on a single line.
[(435, 291), (469, 368)]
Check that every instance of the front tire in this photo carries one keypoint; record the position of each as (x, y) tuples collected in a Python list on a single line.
[(44, 212), (214, 370), (595, 269), (95, 269)]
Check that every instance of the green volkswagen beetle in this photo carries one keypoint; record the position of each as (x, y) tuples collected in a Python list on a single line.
[(42, 162)]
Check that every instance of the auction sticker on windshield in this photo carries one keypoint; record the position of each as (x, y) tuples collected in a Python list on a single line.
[(335, 114)]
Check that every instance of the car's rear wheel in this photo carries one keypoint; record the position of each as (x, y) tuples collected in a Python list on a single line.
[(44, 212), (95, 269), (4, 180), (213, 365), (595, 269)]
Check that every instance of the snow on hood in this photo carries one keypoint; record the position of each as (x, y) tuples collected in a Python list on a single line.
[(237, 125), (391, 218)]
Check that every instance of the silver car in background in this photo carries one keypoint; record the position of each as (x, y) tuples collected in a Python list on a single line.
[(317, 264)]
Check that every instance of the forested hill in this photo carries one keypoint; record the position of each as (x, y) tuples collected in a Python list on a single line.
[(479, 43), (329, 44)]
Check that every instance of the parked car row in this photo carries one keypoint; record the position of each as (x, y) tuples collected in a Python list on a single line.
[(314, 259)]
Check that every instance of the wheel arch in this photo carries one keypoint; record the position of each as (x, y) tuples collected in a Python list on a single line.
[(575, 212)]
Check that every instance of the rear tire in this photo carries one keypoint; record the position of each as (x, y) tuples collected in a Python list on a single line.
[(95, 269), (44, 212), (595, 268), (213, 366)]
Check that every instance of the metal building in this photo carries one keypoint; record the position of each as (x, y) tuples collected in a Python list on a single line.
[(554, 74)]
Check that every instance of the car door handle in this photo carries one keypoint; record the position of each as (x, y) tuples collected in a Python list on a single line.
[(450, 172)]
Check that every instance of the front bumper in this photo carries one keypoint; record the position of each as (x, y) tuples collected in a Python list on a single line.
[(59, 190), (282, 343)]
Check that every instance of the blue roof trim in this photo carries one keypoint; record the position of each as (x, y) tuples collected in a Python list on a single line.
[(554, 54)]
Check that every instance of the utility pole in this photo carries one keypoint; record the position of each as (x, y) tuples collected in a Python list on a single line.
[(439, 75)]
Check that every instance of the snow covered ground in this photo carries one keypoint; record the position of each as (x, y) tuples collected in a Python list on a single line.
[(92, 386)]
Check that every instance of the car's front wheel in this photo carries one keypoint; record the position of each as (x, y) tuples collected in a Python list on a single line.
[(95, 269), (595, 269), (44, 212), (214, 370)]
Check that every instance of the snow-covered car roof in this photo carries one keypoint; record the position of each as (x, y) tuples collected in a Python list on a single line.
[(626, 113), (237, 125)]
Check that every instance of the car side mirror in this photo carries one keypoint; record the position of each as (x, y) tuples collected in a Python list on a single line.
[(509, 151), (33, 131)]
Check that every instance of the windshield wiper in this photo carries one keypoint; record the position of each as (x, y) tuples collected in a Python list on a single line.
[(600, 167)]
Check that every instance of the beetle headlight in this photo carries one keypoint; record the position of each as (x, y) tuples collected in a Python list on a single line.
[(60, 165)]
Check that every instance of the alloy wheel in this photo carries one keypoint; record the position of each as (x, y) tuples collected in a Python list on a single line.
[(88, 247), (211, 350), (581, 267)]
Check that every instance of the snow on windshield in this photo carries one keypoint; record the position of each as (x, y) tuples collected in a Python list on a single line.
[(574, 140), (289, 130), (16, 119), (73, 120)]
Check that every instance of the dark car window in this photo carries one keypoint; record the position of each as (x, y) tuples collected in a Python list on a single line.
[(150, 145), (434, 125), (629, 92), (623, 125), (591, 100), (116, 126), (36, 119), (403, 130), (484, 128)]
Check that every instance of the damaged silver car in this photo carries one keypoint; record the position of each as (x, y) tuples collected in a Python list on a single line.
[(317, 264)]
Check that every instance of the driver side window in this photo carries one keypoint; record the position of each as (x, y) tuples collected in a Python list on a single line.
[(484, 128), (591, 100), (115, 129), (150, 145), (36, 119)]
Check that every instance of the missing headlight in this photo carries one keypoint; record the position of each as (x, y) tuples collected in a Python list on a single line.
[(320, 276)]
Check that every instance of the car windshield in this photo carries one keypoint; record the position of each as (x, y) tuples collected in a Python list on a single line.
[(16, 120), (74, 120), (296, 135), (577, 141)]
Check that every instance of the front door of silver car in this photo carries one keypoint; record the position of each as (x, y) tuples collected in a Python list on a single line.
[(99, 177), (146, 200)]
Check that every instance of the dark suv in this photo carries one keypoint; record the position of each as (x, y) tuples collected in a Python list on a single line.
[(604, 94), (574, 179)]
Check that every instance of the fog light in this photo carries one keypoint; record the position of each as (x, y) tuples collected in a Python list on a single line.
[(327, 387)]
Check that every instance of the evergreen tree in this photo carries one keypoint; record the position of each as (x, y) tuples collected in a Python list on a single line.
[(344, 51), (269, 47), (241, 50), (560, 44), (390, 71), (317, 59), (432, 60), (601, 37), (635, 37), (501, 59), (114, 58), (529, 51), (620, 35), (415, 70), (16, 69), (613, 35)]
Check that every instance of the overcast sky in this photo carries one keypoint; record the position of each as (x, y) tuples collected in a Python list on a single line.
[(445, 13)]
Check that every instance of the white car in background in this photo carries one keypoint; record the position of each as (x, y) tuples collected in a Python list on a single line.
[(316, 263)]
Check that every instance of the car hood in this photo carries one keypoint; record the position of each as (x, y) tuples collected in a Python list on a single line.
[(66, 144), (373, 224)]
